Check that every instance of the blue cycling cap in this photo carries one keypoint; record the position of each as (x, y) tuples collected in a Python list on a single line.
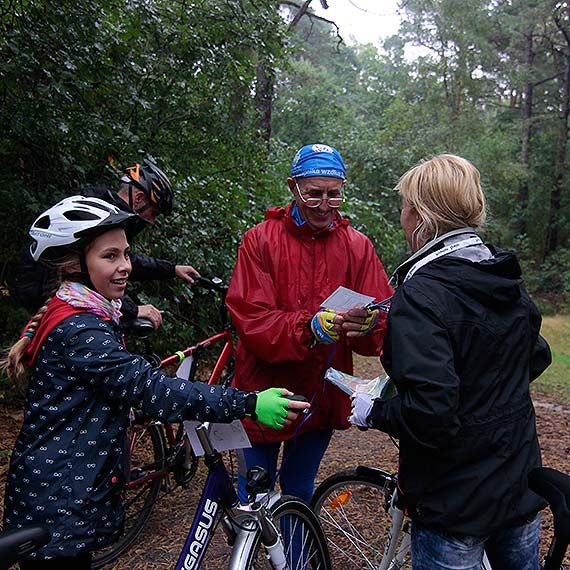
[(318, 160)]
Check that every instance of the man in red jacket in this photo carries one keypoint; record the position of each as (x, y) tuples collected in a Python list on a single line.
[(287, 266)]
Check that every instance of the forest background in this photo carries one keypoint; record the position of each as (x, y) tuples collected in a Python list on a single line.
[(223, 92)]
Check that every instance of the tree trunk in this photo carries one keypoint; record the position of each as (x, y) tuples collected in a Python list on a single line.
[(561, 144), (526, 134), (265, 82), (265, 75)]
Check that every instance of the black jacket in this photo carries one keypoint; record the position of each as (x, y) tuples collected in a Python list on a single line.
[(462, 346), (36, 282)]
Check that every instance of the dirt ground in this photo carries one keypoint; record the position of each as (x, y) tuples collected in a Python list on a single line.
[(159, 545)]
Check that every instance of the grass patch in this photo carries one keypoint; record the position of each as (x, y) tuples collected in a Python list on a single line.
[(555, 382)]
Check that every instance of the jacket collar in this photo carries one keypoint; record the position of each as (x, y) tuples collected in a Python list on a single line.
[(305, 230), (399, 275)]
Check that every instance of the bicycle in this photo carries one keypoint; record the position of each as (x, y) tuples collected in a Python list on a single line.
[(365, 528), (160, 456), (269, 531)]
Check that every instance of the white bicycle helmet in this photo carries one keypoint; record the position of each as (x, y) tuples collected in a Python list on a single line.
[(72, 220)]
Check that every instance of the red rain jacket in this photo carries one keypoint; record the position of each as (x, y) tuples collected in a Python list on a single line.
[(282, 275)]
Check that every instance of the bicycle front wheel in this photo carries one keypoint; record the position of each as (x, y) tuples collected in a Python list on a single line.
[(304, 542), (147, 457), (353, 507)]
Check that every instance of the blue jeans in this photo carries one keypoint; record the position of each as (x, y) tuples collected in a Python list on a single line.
[(301, 459), (515, 548)]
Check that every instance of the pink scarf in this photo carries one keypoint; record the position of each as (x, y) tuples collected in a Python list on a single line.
[(80, 296)]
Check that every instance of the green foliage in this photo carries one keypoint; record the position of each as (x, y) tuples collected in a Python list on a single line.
[(554, 381), (90, 87)]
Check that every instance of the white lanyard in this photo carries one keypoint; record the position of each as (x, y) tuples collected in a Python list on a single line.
[(441, 252)]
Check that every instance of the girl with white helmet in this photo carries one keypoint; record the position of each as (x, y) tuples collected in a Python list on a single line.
[(67, 468)]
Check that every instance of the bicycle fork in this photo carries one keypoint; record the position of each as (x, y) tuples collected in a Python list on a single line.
[(257, 517)]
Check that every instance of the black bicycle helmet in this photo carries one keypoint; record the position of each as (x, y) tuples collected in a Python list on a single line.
[(73, 221), (147, 177)]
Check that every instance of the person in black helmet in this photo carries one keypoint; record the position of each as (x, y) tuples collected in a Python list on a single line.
[(146, 191)]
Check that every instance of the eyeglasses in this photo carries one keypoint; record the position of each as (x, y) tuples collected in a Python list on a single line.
[(314, 202)]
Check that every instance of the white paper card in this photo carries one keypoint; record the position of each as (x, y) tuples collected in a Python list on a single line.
[(344, 299), (184, 368), (223, 436)]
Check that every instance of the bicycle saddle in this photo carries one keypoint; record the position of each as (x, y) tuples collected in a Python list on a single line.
[(554, 486), (18, 543), (139, 327)]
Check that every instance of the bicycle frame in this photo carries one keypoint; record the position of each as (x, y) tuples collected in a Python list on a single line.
[(226, 353), (219, 495)]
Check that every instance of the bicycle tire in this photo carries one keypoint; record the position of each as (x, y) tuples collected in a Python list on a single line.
[(186, 462), (352, 507), (228, 373), (292, 516), (149, 454)]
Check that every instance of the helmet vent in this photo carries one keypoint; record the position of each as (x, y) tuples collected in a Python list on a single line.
[(43, 223), (75, 216), (99, 206)]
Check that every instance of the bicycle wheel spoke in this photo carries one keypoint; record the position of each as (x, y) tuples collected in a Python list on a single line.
[(302, 537), (352, 511), (341, 522), (147, 456)]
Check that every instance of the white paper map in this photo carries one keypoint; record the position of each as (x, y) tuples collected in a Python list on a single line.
[(223, 436), (344, 299)]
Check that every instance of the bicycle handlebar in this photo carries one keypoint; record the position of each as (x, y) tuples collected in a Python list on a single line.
[(554, 486), (214, 284), (142, 327)]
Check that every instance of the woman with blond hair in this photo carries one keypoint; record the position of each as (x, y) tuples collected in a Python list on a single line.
[(462, 346)]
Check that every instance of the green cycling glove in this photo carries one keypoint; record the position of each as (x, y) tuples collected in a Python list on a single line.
[(271, 408)]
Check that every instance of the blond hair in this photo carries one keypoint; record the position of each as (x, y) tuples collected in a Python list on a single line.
[(12, 361), (446, 193)]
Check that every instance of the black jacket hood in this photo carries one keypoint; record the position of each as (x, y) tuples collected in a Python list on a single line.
[(494, 282)]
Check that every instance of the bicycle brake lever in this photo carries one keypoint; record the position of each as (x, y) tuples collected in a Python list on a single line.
[(381, 305)]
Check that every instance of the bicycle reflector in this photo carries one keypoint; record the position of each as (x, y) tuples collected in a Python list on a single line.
[(340, 500)]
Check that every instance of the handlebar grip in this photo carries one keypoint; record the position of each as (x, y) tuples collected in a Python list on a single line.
[(297, 398), (214, 284), (16, 544)]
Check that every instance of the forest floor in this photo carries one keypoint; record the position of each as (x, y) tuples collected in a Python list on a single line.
[(163, 538)]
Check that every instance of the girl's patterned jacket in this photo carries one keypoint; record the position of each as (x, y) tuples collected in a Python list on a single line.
[(68, 465)]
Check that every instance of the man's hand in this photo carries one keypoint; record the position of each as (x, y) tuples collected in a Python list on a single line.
[(185, 272), (358, 322), (151, 313), (324, 326)]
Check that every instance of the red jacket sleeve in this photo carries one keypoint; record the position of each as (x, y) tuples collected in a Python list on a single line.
[(371, 279), (271, 334)]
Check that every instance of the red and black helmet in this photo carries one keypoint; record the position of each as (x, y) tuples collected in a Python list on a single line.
[(148, 178)]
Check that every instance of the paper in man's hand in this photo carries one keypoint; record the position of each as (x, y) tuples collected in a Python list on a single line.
[(344, 299)]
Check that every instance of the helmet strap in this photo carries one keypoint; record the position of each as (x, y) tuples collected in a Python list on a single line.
[(85, 272), (131, 201)]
